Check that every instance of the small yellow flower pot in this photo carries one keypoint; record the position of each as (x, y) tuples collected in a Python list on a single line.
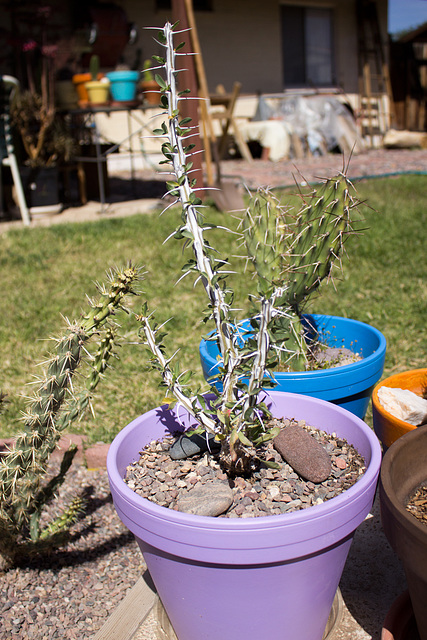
[(98, 91)]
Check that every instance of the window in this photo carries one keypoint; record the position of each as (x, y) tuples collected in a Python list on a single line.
[(307, 38)]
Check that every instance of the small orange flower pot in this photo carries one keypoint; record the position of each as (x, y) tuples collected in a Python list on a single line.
[(387, 427), (79, 81)]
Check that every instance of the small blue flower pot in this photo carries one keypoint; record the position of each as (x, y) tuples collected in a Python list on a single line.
[(123, 85), (349, 386)]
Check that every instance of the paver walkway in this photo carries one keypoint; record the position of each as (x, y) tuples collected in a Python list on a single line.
[(144, 194)]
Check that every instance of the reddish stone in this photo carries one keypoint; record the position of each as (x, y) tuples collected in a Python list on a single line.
[(303, 453), (340, 463)]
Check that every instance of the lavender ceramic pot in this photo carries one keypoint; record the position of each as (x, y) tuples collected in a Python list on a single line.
[(268, 577)]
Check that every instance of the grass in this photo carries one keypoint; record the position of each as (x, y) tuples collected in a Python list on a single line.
[(46, 272)]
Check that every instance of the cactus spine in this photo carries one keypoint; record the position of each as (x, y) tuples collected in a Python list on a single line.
[(54, 405)]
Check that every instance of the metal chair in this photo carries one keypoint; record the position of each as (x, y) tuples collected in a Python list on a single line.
[(8, 88)]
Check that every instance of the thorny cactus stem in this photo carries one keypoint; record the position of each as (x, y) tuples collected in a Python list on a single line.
[(237, 416), (192, 227), (192, 223), (53, 407), (303, 253)]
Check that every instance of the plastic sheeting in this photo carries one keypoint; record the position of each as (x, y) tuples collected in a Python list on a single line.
[(322, 122)]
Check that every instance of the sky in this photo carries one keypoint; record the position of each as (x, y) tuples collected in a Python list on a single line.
[(403, 14)]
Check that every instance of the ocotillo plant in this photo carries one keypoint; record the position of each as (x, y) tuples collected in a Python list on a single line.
[(238, 416), (25, 489)]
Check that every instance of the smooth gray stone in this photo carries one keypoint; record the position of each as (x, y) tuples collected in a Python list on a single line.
[(210, 499), (303, 453), (187, 446)]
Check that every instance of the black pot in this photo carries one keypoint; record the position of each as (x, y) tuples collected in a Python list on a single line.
[(404, 469), (41, 189)]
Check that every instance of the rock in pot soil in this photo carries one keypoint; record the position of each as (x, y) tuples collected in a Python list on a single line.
[(267, 491)]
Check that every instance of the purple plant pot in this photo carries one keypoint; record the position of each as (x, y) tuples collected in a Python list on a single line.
[(268, 577)]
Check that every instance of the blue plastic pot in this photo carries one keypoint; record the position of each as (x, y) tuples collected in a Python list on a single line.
[(123, 85), (349, 386)]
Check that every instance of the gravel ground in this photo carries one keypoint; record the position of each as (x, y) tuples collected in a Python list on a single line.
[(70, 594)]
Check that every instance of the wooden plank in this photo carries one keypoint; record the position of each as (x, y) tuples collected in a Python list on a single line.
[(131, 612)]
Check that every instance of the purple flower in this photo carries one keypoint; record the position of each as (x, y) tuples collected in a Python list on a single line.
[(29, 45)]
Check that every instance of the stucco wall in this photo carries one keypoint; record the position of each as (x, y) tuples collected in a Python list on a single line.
[(241, 40)]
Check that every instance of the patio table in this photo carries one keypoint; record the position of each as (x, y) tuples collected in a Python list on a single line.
[(82, 122)]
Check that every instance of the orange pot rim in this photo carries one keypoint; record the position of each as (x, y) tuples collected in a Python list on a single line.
[(84, 77), (387, 383)]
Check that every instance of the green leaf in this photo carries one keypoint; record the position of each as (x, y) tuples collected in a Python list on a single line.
[(244, 440), (160, 81), (271, 464)]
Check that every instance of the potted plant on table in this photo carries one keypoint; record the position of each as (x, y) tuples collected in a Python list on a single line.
[(45, 139), (149, 86), (98, 88), (222, 577)]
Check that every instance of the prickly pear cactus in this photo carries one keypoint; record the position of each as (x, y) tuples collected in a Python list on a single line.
[(24, 489), (266, 236), (299, 253), (320, 230)]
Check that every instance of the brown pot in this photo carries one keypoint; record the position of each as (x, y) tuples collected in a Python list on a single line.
[(387, 427), (150, 92), (400, 620), (403, 469)]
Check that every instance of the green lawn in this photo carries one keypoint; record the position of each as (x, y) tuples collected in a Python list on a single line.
[(46, 272)]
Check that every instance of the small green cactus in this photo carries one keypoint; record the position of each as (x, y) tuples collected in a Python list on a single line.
[(147, 74), (94, 66), (24, 489)]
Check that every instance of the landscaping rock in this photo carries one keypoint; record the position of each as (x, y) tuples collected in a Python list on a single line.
[(404, 404), (96, 456), (331, 357), (191, 445), (208, 500), (303, 453), (65, 442)]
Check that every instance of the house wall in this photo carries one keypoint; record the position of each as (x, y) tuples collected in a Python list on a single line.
[(241, 40)]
